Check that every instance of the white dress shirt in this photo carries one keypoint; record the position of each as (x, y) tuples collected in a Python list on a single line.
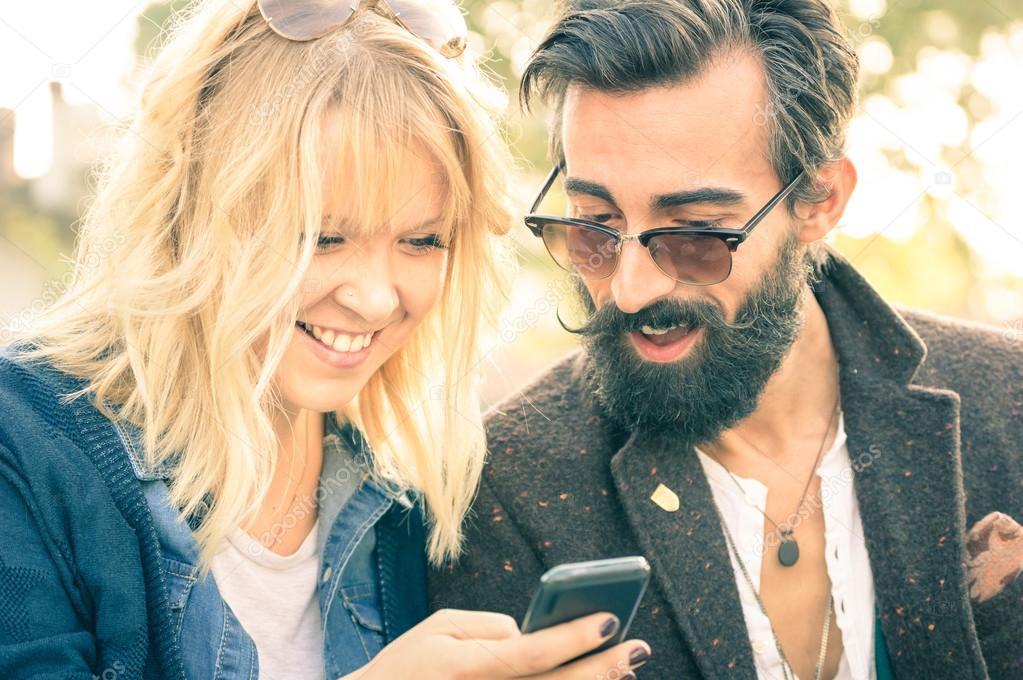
[(852, 581)]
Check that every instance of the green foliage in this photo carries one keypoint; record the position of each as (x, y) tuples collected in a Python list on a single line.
[(38, 235)]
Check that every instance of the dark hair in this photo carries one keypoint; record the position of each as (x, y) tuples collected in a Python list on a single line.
[(810, 67)]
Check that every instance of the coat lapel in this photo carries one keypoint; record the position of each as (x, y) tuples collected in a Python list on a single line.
[(687, 553), (903, 442)]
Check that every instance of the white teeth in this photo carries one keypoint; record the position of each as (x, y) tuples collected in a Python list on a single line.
[(340, 342), (650, 330)]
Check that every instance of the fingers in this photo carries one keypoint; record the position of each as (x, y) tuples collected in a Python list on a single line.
[(469, 625), (616, 663), (491, 646), (549, 648)]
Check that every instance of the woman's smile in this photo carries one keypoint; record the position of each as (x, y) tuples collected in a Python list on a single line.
[(336, 348)]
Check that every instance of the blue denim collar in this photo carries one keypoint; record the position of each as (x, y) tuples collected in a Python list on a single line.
[(131, 439), (362, 454)]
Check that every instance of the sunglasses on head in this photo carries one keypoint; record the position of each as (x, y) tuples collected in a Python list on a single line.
[(692, 255), (437, 22)]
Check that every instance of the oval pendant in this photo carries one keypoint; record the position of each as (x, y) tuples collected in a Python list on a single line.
[(788, 552)]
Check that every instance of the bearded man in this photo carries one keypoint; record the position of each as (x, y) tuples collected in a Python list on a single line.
[(824, 486)]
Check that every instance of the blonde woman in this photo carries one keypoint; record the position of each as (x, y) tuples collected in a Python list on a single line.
[(231, 447)]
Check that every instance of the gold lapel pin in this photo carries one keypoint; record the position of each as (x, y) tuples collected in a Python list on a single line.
[(665, 498)]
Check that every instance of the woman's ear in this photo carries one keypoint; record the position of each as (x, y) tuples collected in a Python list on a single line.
[(817, 219)]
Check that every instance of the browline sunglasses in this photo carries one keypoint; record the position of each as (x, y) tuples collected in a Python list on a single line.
[(437, 22), (696, 256)]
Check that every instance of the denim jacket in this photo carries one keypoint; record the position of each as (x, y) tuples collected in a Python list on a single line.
[(367, 531)]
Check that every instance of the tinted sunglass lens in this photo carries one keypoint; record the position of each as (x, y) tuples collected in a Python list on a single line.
[(577, 249), (306, 19), (438, 22), (695, 259)]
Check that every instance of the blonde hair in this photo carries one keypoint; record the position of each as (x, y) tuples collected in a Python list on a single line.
[(187, 276)]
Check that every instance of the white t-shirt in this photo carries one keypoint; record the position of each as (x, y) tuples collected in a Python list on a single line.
[(276, 600), (848, 565)]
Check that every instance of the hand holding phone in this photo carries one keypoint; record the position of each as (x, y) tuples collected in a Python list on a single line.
[(453, 643), (570, 591)]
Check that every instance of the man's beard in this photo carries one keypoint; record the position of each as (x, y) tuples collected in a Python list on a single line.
[(694, 399)]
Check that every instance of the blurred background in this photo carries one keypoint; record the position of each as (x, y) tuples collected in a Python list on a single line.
[(935, 221)]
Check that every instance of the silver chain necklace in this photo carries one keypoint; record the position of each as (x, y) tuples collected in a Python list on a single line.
[(786, 667), (788, 548)]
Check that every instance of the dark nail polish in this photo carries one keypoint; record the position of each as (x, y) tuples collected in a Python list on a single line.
[(629, 676), (638, 656), (609, 627)]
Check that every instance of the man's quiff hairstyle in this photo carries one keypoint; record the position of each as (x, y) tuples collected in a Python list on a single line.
[(810, 67)]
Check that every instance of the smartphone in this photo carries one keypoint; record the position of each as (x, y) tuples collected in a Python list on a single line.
[(569, 591)]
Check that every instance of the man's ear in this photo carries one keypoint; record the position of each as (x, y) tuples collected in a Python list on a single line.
[(817, 219)]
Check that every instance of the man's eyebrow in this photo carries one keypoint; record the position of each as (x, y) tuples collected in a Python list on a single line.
[(574, 185), (717, 196), (725, 197)]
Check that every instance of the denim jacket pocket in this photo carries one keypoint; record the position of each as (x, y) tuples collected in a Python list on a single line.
[(180, 579), (359, 600)]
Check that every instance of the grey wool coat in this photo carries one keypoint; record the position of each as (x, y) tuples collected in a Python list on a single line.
[(934, 417)]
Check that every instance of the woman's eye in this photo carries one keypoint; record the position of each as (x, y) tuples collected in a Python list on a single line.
[(328, 242), (423, 245)]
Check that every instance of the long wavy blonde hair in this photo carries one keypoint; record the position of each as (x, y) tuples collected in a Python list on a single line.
[(190, 260)]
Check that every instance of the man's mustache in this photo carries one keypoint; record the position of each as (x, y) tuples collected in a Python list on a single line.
[(610, 320)]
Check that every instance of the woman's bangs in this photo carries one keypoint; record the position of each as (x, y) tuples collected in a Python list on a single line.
[(371, 167)]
